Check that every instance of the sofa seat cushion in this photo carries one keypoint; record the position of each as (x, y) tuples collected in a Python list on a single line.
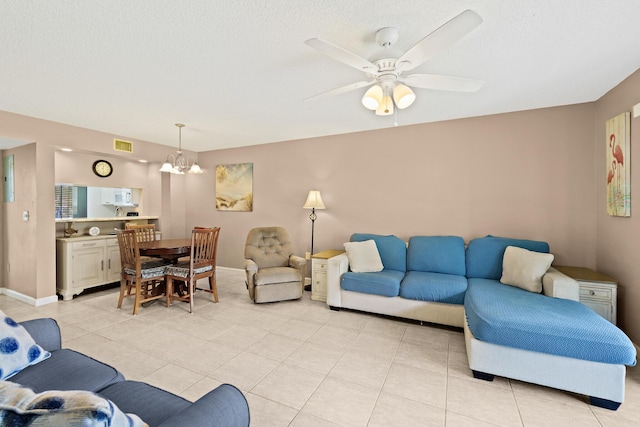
[(484, 256), (150, 403), (268, 276), (436, 287), (436, 254), (513, 317), (67, 370), (385, 282)]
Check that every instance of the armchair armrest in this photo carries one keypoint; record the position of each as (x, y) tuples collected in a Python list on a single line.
[(45, 332), (250, 265), (222, 406), (251, 268), (559, 285), (336, 267), (297, 262)]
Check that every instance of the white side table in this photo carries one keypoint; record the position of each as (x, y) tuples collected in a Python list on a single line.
[(319, 263), (597, 291)]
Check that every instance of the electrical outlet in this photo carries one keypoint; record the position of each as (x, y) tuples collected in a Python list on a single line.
[(25, 215), (307, 255), (636, 111)]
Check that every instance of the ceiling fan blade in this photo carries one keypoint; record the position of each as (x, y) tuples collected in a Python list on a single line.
[(437, 82), (343, 89), (439, 40), (342, 55)]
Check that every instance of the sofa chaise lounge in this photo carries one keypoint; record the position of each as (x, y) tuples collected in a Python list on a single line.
[(509, 331)]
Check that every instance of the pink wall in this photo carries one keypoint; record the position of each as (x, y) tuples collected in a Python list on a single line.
[(29, 247), (20, 275), (534, 174), (526, 174), (618, 238)]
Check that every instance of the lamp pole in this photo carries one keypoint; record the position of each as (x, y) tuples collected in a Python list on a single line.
[(313, 218), (314, 201)]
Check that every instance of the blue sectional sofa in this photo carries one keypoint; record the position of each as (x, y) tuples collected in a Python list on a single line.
[(66, 370), (509, 331)]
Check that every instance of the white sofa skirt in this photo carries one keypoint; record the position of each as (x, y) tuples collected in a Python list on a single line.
[(594, 379)]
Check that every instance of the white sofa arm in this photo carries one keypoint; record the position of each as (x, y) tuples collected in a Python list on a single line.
[(336, 266), (559, 285)]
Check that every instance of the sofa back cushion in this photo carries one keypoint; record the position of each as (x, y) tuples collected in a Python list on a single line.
[(485, 254), (392, 249), (436, 254)]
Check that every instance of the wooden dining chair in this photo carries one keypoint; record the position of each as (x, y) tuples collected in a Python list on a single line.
[(144, 232), (141, 278), (201, 264), (213, 287)]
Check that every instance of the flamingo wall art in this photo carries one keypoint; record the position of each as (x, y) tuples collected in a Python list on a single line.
[(618, 165)]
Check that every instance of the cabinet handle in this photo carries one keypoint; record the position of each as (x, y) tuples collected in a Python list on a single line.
[(109, 264), (592, 293), (102, 265)]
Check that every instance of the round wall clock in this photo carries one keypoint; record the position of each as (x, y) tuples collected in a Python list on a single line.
[(102, 168)]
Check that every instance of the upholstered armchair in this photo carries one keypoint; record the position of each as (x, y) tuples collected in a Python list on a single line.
[(274, 273)]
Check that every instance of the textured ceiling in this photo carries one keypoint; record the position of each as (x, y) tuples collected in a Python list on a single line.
[(236, 72)]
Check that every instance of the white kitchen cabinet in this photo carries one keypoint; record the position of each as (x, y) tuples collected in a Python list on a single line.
[(85, 262), (118, 197), (113, 261)]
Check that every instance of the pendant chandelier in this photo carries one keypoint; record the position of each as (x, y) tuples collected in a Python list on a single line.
[(179, 164)]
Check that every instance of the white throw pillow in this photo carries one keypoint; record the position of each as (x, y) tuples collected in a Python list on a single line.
[(363, 256), (17, 348), (524, 269), (21, 406)]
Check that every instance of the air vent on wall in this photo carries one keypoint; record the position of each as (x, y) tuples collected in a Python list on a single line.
[(122, 145)]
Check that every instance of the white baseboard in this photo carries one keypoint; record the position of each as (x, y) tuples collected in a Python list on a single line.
[(27, 299), (218, 268)]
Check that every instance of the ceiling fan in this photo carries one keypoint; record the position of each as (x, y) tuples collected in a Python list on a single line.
[(386, 76)]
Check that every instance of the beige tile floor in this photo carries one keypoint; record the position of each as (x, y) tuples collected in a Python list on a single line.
[(301, 364)]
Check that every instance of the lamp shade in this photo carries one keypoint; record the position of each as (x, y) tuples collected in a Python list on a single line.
[(314, 201), (386, 106), (403, 96), (372, 97), (195, 168), (166, 166)]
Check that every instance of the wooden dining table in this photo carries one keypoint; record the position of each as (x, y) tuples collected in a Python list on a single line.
[(167, 249)]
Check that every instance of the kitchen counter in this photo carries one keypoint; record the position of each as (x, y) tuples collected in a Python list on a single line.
[(85, 237), (115, 218)]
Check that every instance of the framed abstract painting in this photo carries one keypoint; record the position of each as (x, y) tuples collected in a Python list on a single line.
[(618, 165)]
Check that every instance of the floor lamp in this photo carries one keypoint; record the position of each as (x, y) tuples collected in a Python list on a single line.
[(314, 201)]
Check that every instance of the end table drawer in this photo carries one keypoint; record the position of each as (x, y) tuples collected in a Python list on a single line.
[(320, 266), (595, 293)]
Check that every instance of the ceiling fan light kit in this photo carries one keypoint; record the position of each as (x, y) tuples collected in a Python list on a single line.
[(403, 96), (386, 74), (372, 97), (386, 107)]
